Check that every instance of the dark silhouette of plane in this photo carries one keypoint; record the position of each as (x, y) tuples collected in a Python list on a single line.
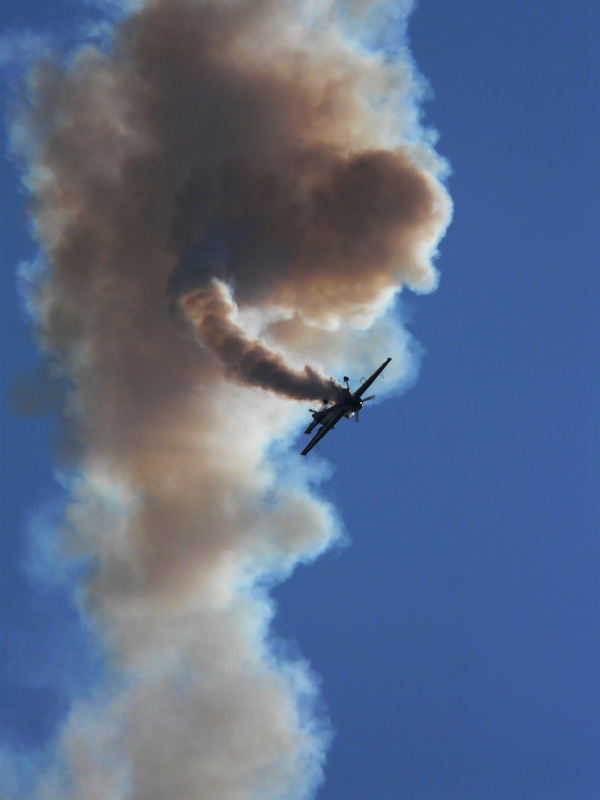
[(349, 406)]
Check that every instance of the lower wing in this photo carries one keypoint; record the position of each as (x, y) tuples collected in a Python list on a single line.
[(331, 423)]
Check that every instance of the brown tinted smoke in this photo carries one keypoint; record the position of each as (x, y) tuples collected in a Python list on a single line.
[(210, 312), (266, 130)]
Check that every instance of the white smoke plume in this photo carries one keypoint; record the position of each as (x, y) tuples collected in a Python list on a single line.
[(284, 150)]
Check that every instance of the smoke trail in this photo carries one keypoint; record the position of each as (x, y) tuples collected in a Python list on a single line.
[(211, 312), (267, 127)]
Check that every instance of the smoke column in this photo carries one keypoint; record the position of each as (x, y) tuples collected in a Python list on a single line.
[(282, 148)]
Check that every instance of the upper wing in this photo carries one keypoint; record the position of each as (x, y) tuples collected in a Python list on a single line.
[(364, 386), (331, 422)]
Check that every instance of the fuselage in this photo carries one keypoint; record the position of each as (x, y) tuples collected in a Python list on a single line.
[(349, 403)]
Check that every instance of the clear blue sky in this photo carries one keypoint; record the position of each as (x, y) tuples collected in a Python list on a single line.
[(458, 635)]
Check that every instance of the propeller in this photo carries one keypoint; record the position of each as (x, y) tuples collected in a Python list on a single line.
[(356, 413)]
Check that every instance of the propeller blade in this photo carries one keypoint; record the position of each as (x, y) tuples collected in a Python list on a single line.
[(372, 397), (356, 416)]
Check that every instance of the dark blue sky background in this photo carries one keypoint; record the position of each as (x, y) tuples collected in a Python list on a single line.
[(457, 636)]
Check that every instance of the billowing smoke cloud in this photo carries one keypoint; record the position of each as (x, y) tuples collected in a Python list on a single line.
[(267, 135)]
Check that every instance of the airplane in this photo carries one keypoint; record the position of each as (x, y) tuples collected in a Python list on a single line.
[(349, 406)]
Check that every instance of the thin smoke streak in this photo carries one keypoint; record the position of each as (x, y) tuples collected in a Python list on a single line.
[(210, 311)]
